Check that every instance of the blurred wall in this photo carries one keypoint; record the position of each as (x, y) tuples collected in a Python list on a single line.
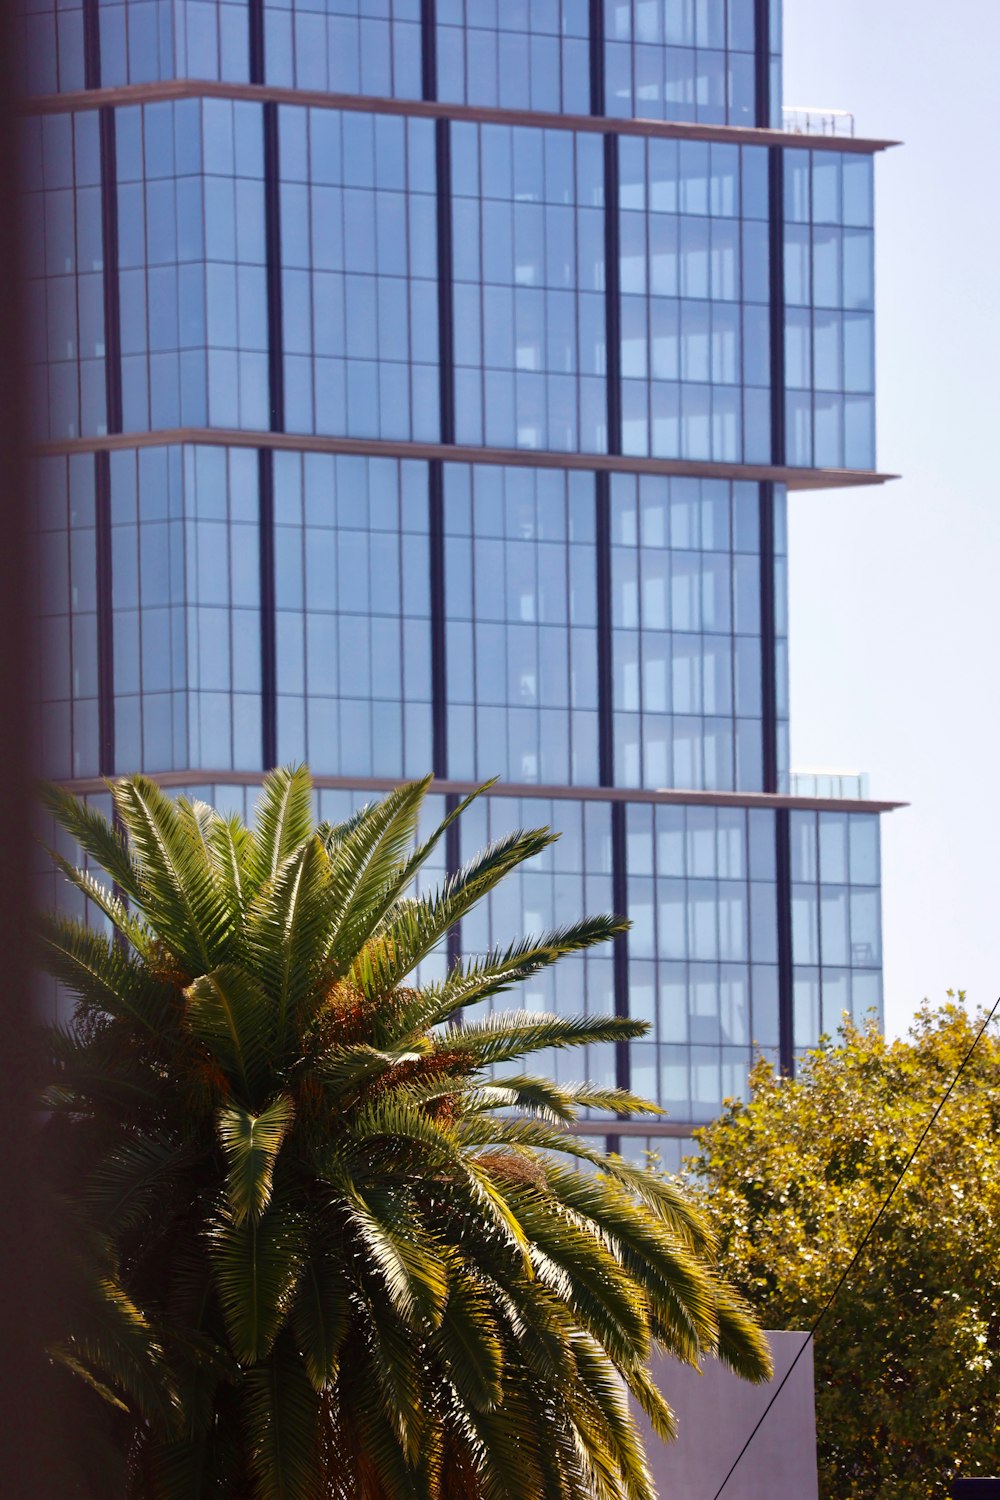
[(716, 1413)]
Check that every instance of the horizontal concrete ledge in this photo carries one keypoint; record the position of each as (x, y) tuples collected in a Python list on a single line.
[(207, 88), (653, 1125), (524, 458), (212, 776)]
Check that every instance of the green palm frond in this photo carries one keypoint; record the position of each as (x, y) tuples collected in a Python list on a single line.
[(418, 926), (283, 1427), (564, 1101), (342, 1070), (199, 820), (114, 1344), (671, 1205), (407, 1263), (525, 1134), (399, 1120), (367, 867), (179, 895), (100, 1075), (257, 1264), (107, 845), (182, 1469), (470, 1344), (386, 880), (410, 866), (607, 1393), (380, 1468), (503, 968), (609, 1303), (106, 979), (742, 1346), (327, 1253), (513, 1465), (507, 1035), (286, 931), (132, 928), (321, 1319), (680, 1292), (394, 1358), (652, 1400), (251, 1144), (283, 820), (231, 848), (229, 1014), (133, 1180)]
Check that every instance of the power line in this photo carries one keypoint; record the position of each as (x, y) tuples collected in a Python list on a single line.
[(857, 1254)]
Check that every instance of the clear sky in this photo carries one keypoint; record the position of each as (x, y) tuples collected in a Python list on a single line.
[(895, 592)]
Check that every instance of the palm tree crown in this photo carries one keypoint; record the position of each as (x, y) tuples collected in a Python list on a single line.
[(330, 1251)]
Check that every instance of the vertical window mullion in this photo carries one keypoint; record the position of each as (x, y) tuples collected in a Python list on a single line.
[(105, 618)]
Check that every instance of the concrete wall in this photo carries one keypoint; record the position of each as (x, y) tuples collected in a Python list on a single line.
[(716, 1413)]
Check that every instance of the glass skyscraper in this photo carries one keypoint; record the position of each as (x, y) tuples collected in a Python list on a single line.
[(418, 385)]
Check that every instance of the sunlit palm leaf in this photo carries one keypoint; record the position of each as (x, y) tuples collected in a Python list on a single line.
[(105, 978), (470, 1343), (106, 844), (500, 970), (283, 820), (367, 867), (286, 932), (420, 925), (508, 1035), (251, 1144), (132, 928), (179, 896), (231, 849)]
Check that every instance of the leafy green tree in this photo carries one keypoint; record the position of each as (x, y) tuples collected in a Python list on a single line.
[(908, 1358), (325, 1249)]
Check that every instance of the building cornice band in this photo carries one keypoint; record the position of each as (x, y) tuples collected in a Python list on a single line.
[(199, 88), (649, 1125), (443, 786), (463, 453)]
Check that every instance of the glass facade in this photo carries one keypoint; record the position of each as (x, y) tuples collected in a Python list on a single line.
[(386, 425), (686, 631), (357, 210), (836, 930), (352, 611), (520, 595), (359, 268), (515, 54), (571, 876), (344, 46), (62, 501), (695, 295), (185, 599), (64, 275), (529, 274), (191, 265), (829, 317), (681, 60)]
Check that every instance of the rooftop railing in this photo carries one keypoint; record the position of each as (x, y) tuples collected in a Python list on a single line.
[(812, 121), (846, 785)]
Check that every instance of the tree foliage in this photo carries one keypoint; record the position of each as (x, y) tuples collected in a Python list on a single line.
[(332, 1241), (908, 1359)]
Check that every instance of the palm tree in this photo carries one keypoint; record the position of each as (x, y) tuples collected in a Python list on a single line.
[(326, 1250)]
